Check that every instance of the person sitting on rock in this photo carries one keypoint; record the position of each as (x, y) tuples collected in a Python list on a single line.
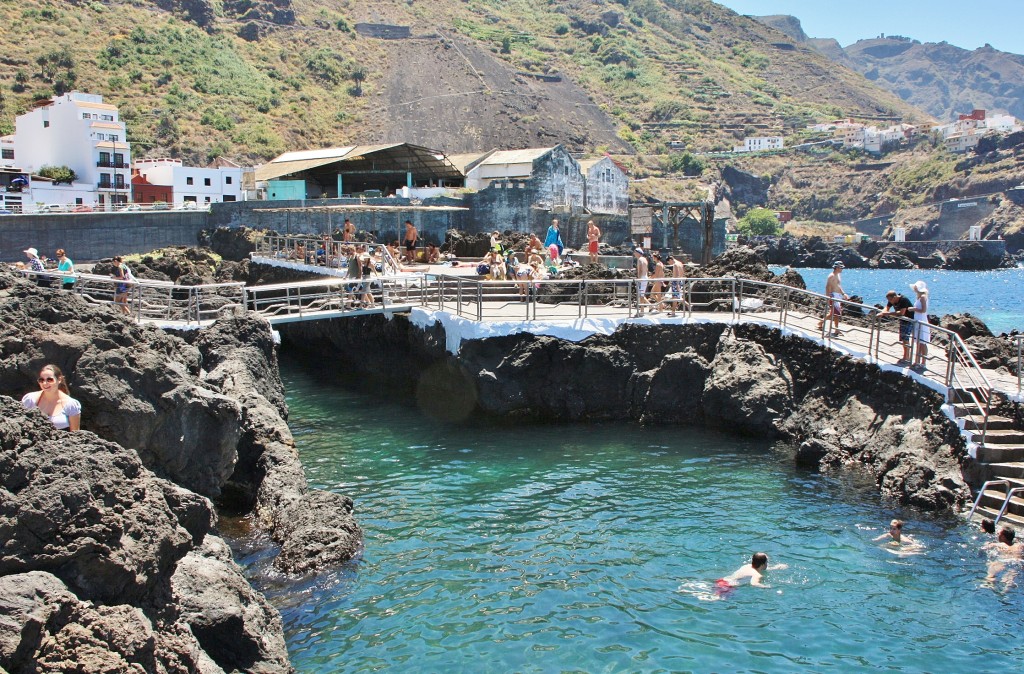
[(54, 400)]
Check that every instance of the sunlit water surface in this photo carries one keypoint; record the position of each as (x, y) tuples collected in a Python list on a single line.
[(593, 548)]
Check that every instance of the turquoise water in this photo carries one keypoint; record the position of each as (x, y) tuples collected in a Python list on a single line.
[(594, 549), (996, 297)]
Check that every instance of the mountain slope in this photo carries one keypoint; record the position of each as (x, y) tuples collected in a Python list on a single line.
[(940, 79), (248, 79)]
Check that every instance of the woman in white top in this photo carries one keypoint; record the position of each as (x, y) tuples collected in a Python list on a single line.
[(922, 328), (53, 400)]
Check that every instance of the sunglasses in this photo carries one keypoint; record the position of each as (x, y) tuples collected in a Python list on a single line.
[(46, 379)]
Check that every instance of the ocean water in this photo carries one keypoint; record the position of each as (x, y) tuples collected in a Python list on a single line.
[(594, 548), (996, 297)]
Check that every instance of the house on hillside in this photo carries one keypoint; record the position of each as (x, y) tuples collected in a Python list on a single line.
[(188, 184), (80, 131), (605, 187)]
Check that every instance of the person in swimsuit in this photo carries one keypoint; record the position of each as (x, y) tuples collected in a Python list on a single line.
[(641, 273), (411, 236), (895, 534), (348, 231), (834, 290), (54, 400), (922, 327), (1007, 558), (593, 241), (754, 572)]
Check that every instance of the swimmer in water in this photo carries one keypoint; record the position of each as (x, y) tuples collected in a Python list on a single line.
[(1008, 556), (754, 572), (896, 534)]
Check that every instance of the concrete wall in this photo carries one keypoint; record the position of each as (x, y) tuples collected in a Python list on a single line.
[(956, 217), (91, 236)]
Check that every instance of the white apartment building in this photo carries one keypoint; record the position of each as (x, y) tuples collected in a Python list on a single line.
[(80, 131), (190, 184), (760, 143), (7, 152)]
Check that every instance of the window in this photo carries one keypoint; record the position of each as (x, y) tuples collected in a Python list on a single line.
[(8, 153), (104, 159), (119, 181), (207, 199), (227, 180), (206, 182), (85, 115), (118, 160), (114, 137), (229, 197), (189, 181), (107, 118), (46, 124)]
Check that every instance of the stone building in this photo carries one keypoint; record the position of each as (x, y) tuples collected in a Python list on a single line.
[(606, 186)]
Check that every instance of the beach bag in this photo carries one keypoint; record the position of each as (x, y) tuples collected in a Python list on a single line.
[(483, 269)]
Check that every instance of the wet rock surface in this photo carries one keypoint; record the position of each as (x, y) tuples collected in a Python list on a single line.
[(748, 379)]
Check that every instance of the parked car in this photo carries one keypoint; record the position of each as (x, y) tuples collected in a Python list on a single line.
[(161, 206), (82, 208), (51, 208), (4, 211), (131, 207)]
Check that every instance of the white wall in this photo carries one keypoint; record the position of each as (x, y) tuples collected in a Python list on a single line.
[(223, 182)]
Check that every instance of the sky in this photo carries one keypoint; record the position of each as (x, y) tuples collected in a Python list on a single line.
[(959, 23)]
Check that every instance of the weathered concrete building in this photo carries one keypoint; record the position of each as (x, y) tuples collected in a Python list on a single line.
[(606, 186), (549, 175)]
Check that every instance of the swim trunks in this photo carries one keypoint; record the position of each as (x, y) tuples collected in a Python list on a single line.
[(592, 247), (838, 306)]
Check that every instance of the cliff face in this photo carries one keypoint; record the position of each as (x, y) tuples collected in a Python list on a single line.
[(747, 379), (110, 554)]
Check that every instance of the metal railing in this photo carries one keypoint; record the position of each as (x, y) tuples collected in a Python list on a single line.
[(335, 296), (149, 300), (1019, 339), (1006, 503), (981, 494)]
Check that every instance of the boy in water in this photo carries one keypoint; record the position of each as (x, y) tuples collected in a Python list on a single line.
[(895, 533), (753, 571)]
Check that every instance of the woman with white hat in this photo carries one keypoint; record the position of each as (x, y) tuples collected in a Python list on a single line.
[(35, 263), (922, 328)]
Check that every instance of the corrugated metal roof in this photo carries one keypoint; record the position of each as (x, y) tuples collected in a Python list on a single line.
[(516, 156), (428, 161)]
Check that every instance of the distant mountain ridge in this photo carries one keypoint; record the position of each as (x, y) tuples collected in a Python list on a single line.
[(939, 78)]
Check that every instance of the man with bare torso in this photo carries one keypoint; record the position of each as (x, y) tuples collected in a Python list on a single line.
[(593, 241), (411, 235), (641, 274), (753, 572), (834, 291), (348, 231)]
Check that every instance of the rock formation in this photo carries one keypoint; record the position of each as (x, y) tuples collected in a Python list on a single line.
[(747, 378), (109, 536)]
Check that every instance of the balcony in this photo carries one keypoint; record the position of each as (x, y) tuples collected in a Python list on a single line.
[(107, 185), (112, 164)]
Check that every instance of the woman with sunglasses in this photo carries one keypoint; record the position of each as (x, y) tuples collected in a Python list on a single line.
[(54, 400)]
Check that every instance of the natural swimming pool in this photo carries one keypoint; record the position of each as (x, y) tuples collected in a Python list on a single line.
[(593, 548)]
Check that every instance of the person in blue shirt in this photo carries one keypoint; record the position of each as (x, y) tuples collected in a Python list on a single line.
[(65, 264)]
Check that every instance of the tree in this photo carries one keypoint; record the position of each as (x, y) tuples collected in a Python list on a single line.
[(358, 75), (687, 164), (759, 222), (58, 174)]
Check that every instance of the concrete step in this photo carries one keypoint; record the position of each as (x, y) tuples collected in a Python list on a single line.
[(994, 423), (1004, 436), (1006, 470), (1012, 519), (992, 452), (994, 497)]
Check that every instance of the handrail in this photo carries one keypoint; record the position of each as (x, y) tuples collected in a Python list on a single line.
[(981, 492), (1006, 503)]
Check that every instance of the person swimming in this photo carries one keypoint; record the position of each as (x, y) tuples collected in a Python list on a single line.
[(753, 572), (896, 534)]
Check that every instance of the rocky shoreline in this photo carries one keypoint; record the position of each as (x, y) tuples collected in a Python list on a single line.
[(831, 409), (111, 556)]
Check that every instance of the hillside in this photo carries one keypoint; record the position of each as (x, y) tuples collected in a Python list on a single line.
[(248, 79), (940, 79)]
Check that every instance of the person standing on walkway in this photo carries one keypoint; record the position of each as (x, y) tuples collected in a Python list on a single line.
[(899, 306), (411, 236), (657, 283), (124, 278), (348, 231), (65, 265), (554, 238), (641, 274), (922, 328), (834, 291), (677, 273), (593, 241)]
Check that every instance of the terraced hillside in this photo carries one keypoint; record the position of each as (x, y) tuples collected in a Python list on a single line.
[(248, 79)]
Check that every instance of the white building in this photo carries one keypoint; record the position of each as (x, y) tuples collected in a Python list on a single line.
[(189, 184), (760, 143), (7, 152), (605, 187), (85, 134)]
